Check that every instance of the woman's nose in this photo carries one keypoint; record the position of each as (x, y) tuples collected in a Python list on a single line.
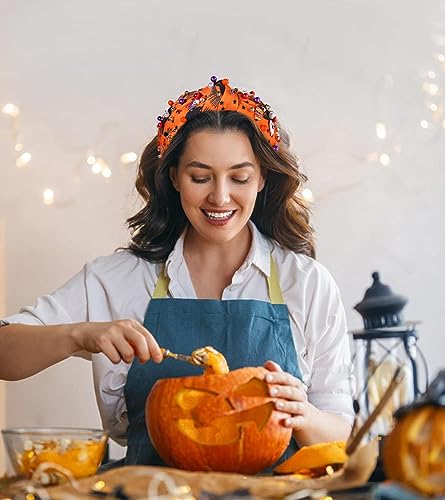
[(220, 194)]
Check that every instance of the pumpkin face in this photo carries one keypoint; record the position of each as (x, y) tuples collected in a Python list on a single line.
[(217, 422), (414, 452)]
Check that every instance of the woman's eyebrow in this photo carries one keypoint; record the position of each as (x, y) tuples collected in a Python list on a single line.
[(198, 164)]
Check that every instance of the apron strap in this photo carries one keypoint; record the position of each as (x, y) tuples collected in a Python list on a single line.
[(161, 289), (273, 284)]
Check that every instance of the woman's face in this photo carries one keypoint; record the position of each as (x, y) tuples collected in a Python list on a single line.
[(218, 178)]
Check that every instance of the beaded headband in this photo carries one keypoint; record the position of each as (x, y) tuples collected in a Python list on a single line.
[(216, 96)]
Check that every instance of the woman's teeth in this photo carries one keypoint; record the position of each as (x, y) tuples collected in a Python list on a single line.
[(218, 215)]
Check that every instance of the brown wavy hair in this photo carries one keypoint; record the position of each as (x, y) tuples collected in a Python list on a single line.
[(279, 212)]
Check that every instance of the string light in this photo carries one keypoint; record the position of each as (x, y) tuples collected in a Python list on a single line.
[(431, 88), (431, 74), (91, 160), (384, 159), (11, 110), (439, 57), (23, 160), (307, 195), (18, 147), (48, 197), (433, 106), (424, 124), (106, 172), (129, 157), (380, 130), (98, 165)]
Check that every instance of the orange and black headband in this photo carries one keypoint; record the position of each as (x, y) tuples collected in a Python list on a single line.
[(217, 96)]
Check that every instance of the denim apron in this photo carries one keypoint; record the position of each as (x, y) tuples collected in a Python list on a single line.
[(247, 332)]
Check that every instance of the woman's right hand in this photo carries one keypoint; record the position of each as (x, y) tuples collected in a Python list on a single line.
[(120, 340)]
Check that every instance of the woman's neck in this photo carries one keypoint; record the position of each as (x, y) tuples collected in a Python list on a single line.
[(218, 260)]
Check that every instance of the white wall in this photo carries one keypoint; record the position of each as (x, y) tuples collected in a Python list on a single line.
[(331, 70)]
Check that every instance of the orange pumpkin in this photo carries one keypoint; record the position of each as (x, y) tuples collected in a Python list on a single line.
[(217, 422), (414, 452)]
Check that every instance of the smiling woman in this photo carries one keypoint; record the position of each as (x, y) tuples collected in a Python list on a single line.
[(220, 254)]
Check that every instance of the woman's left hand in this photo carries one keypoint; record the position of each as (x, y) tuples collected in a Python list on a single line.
[(292, 396)]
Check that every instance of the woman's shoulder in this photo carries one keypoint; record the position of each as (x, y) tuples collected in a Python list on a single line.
[(294, 267), (121, 262)]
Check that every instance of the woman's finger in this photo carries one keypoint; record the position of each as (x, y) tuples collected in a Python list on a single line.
[(111, 353), (139, 344), (288, 392), (154, 350), (125, 349), (292, 407), (272, 366), (283, 378)]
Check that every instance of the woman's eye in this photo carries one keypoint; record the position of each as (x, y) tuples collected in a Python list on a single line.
[(241, 181), (200, 180)]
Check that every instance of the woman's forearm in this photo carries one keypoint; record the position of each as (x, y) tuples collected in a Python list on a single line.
[(27, 349), (322, 426)]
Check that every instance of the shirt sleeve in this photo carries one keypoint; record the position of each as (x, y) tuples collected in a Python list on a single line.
[(332, 382), (67, 304)]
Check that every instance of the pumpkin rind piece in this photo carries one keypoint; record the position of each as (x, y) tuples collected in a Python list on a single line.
[(316, 456)]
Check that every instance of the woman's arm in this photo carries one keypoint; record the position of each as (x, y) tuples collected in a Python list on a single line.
[(27, 349)]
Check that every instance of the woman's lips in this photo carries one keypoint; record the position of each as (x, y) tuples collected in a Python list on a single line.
[(218, 217)]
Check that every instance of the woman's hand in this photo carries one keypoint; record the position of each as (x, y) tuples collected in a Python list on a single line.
[(119, 340), (292, 396)]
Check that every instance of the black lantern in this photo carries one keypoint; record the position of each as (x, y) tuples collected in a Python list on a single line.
[(385, 344)]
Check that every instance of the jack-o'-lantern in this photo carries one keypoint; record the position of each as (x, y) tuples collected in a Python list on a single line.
[(414, 452), (218, 422)]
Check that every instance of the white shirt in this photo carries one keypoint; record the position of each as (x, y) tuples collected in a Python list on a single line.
[(120, 286)]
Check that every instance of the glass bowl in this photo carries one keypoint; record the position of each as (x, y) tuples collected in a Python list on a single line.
[(80, 451)]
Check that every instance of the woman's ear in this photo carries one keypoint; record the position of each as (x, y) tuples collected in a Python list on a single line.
[(262, 183), (172, 172)]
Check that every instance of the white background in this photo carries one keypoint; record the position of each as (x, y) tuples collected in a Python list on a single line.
[(93, 76)]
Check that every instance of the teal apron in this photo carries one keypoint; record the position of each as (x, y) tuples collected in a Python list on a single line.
[(247, 332)]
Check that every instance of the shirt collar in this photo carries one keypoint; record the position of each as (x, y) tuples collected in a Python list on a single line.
[(259, 253)]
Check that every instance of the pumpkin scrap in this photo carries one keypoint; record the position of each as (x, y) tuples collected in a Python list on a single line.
[(212, 360), (217, 422), (414, 452), (313, 460)]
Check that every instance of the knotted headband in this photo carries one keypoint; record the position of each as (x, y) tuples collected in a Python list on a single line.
[(216, 96)]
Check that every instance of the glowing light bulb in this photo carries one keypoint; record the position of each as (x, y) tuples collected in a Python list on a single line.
[(380, 130), (384, 159), (98, 166), (424, 124), (11, 110), (431, 74), (129, 157), (307, 195), (431, 88), (433, 106), (18, 147), (23, 160), (48, 197), (106, 172), (91, 160), (439, 57)]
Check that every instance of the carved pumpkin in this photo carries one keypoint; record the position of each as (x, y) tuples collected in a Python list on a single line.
[(217, 422), (414, 452)]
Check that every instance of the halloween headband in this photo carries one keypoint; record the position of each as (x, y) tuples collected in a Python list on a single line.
[(216, 96)]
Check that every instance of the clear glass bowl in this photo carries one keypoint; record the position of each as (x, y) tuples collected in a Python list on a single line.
[(80, 451)]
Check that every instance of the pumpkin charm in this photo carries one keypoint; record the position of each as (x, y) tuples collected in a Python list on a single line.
[(414, 452), (217, 422)]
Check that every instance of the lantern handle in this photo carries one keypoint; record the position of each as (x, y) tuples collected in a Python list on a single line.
[(355, 438)]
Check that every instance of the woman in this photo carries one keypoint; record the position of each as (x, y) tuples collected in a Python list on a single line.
[(221, 255)]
